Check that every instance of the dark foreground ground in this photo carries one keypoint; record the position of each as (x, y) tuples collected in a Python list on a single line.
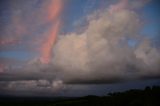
[(150, 96)]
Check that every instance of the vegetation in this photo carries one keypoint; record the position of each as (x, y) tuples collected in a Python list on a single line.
[(150, 96)]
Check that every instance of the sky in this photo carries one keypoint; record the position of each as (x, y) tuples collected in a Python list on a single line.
[(78, 47)]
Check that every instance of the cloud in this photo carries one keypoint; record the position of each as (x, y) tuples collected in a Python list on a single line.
[(47, 46), (31, 87), (31, 26), (100, 54), (54, 10), (23, 30)]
